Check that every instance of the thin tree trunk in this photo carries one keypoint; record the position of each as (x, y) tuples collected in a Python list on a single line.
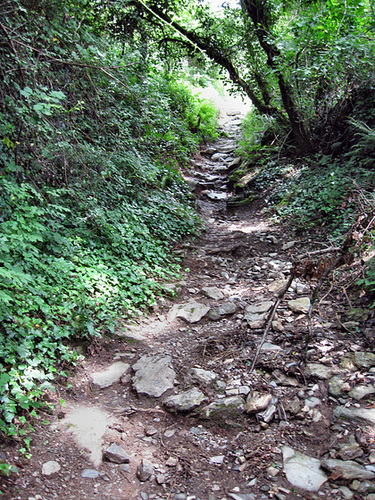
[(256, 10)]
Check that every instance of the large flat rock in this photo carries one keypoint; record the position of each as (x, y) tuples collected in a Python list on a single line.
[(320, 371), (361, 414), (204, 377), (192, 311), (303, 471), (154, 375), (255, 314), (185, 401), (348, 469), (224, 309), (300, 305), (213, 292)]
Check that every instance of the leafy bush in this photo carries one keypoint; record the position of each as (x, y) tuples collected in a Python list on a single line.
[(257, 132), (319, 196), (364, 146), (312, 192), (91, 197), (203, 119)]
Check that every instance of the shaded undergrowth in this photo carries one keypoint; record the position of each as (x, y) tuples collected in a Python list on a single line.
[(91, 198)]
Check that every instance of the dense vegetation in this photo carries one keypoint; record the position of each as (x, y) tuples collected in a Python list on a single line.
[(95, 123), (305, 64), (91, 195)]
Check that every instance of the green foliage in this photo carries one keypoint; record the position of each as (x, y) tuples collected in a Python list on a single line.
[(317, 193), (257, 132), (299, 62), (91, 198), (368, 282), (7, 469), (203, 118), (364, 146), (320, 197)]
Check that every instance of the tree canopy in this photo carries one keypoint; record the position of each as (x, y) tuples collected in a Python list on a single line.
[(303, 63)]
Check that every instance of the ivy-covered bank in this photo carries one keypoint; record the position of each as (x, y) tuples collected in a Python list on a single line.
[(92, 136)]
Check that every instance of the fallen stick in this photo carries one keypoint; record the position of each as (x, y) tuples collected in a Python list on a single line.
[(270, 318), (318, 252)]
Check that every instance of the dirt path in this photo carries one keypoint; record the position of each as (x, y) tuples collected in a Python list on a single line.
[(168, 408)]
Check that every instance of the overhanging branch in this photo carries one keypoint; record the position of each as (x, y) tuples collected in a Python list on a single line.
[(212, 52)]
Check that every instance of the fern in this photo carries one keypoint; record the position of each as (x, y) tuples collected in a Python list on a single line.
[(366, 135)]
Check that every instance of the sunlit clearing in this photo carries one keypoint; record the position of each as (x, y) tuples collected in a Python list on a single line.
[(218, 5), (228, 104)]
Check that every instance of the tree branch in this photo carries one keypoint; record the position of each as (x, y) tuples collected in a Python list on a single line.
[(215, 54), (270, 318)]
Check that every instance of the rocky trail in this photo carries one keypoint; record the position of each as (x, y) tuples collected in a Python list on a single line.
[(169, 407)]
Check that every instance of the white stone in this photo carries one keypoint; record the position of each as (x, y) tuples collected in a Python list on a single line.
[(255, 314), (171, 462), (336, 386), (131, 334), (257, 402), (312, 402), (192, 311), (364, 359), (346, 492), (145, 470), (217, 196), (116, 454), (277, 285), (348, 469), (268, 347), (210, 150), (288, 245), (224, 309), (212, 292), (260, 308), (50, 467), (216, 157), (320, 371), (110, 375), (367, 415), (303, 471), (169, 433), (203, 376), (301, 305), (90, 474), (185, 401), (361, 391)]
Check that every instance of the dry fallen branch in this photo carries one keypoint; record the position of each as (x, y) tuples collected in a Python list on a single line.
[(270, 318), (318, 252)]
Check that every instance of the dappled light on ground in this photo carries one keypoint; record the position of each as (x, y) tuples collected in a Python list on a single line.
[(88, 425)]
